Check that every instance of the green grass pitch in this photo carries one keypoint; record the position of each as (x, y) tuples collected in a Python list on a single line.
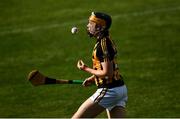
[(35, 34)]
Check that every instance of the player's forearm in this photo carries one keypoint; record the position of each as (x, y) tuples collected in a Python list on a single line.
[(99, 73)]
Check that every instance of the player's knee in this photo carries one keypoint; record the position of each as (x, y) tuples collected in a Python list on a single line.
[(118, 112)]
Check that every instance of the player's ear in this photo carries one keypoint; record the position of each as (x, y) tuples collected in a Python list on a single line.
[(99, 27)]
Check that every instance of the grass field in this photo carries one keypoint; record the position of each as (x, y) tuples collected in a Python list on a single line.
[(35, 34)]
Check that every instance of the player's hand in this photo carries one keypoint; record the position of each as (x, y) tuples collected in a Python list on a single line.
[(81, 65), (89, 81)]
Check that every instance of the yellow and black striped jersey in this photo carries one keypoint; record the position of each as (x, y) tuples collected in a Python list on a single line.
[(105, 50)]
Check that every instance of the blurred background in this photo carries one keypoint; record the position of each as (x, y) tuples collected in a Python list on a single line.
[(36, 34)]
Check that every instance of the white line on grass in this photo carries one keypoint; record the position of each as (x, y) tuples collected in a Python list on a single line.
[(142, 13), (147, 12)]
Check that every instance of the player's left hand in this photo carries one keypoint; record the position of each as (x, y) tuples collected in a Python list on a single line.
[(89, 81)]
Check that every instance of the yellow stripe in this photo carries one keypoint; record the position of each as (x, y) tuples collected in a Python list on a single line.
[(103, 45), (104, 49)]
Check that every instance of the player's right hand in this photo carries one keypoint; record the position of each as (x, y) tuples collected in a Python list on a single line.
[(81, 65)]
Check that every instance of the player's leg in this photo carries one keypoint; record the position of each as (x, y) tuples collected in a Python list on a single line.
[(88, 109), (117, 112)]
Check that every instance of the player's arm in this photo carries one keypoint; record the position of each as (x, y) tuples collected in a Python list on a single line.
[(107, 69), (106, 63)]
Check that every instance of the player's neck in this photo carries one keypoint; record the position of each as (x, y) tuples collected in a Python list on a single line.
[(103, 34)]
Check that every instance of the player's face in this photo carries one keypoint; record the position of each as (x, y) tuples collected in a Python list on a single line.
[(91, 28)]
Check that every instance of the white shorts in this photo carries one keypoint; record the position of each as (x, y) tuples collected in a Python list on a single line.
[(109, 98)]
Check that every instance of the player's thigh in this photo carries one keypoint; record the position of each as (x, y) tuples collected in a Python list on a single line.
[(117, 112), (88, 109)]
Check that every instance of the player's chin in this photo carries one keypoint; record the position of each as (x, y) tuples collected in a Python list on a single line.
[(90, 34)]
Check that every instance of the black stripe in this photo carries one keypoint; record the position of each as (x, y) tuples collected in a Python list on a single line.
[(70, 81), (115, 83), (50, 81), (101, 95), (98, 95)]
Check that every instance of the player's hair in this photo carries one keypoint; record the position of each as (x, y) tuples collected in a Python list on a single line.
[(105, 17)]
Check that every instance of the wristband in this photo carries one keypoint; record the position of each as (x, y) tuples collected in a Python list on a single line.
[(84, 67)]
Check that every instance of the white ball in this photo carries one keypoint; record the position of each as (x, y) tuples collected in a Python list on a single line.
[(74, 30)]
